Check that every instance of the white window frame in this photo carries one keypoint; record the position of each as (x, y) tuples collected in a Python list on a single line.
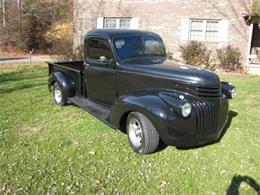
[(134, 22), (117, 21), (204, 30)]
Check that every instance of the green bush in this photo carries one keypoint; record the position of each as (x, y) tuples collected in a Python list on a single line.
[(195, 53), (256, 7), (229, 58)]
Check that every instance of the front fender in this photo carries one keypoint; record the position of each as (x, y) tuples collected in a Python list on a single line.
[(153, 104), (66, 87)]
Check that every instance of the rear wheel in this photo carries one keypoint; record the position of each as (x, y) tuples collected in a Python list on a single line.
[(141, 133), (58, 95)]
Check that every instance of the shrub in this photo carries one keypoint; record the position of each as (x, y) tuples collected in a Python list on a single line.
[(60, 35), (195, 53), (229, 58)]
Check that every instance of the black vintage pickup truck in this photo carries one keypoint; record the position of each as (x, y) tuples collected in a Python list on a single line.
[(127, 82)]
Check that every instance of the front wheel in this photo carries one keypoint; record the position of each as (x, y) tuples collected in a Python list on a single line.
[(141, 133), (58, 95)]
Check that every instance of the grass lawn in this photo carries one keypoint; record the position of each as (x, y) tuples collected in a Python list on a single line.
[(50, 149)]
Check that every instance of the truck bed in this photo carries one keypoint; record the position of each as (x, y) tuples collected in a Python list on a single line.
[(73, 71), (76, 65)]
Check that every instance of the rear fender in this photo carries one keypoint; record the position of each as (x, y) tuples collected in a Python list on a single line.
[(66, 86)]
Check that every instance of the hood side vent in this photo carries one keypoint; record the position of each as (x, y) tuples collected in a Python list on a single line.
[(209, 92)]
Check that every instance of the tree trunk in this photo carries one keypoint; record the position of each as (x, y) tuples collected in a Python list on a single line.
[(52, 10), (19, 15), (4, 12)]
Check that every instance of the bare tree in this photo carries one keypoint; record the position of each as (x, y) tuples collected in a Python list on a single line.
[(19, 8), (241, 29), (4, 12), (24, 23)]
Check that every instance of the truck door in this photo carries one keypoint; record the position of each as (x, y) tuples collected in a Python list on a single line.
[(100, 75)]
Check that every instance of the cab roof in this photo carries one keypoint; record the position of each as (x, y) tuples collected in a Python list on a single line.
[(110, 33)]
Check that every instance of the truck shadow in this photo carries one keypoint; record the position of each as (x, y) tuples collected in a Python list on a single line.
[(231, 116), (237, 180)]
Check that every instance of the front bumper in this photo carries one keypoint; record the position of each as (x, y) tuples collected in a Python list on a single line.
[(204, 126), (195, 140)]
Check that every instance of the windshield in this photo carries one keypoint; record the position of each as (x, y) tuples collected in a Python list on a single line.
[(138, 46)]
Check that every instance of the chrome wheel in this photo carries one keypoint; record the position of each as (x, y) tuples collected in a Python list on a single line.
[(135, 133), (142, 135), (57, 95)]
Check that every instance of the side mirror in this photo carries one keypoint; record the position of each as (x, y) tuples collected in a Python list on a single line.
[(102, 59)]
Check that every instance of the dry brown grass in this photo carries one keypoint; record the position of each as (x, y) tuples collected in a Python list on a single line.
[(12, 54), (14, 66)]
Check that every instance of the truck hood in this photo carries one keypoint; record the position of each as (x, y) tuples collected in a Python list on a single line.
[(174, 71)]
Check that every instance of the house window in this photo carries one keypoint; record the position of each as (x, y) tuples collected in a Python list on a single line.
[(110, 23), (204, 30), (196, 30), (212, 30), (115, 23), (125, 23)]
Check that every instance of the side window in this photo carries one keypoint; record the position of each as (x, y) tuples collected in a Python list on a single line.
[(97, 48)]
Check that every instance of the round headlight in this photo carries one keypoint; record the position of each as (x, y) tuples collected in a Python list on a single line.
[(186, 109), (233, 92)]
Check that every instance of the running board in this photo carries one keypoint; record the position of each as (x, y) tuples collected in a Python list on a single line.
[(99, 111)]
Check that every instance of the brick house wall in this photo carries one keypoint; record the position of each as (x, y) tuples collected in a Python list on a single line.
[(170, 19)]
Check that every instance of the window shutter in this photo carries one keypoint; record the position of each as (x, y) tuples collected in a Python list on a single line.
[(185, 28), (223, 31), (134, 23), (100, 22)]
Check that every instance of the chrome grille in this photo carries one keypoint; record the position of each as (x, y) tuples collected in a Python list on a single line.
[(207, 117)]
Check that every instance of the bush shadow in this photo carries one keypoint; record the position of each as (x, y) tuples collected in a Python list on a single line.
[(21, 75), (237, 180), (21, 87)]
